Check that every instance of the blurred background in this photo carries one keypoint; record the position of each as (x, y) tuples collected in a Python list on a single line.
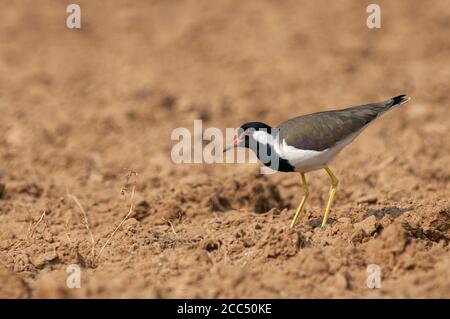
[(81, 106)]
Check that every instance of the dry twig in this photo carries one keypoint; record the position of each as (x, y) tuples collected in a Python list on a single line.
[(130, 174), (85, 220), (121, 223), (171, 225), (66, 226), (125, 187), (33, 228)]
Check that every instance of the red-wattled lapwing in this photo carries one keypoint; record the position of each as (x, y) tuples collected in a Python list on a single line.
[(310, 142)]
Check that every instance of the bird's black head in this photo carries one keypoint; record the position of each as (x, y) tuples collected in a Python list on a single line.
[(246, 132)]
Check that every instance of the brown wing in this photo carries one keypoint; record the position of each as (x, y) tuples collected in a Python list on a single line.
[(319, 131)]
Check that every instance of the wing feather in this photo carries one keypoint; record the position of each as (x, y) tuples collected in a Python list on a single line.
[(322, 130)]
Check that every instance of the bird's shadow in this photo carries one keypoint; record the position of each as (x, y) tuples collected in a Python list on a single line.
[(392, 211), (317, 222)]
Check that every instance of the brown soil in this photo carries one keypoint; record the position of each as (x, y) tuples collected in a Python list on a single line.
[(81, 107)]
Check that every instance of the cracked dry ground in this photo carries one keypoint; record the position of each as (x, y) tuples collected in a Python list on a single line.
[(81, 108)]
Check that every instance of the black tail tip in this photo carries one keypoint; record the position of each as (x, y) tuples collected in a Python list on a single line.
[(401, 99)]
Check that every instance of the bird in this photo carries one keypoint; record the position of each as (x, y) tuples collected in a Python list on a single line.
[(310, 142)]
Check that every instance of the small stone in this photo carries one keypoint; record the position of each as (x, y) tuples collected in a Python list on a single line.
[(142, 210), (368, 225), (272, 252), (341, 281), (2, 190), (211, 245), (367, 199), (130, 224), (357, 236), (169, 102), (31, 189), (40, 261), (48, 237), (219, 203), (240, 233), (344, 220), (247, 242), (274, 211)]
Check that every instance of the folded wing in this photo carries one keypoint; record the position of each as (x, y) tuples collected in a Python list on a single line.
[(322, 130)]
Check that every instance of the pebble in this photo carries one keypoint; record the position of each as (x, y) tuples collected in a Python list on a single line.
[(40, 261), (368, 225), (367, 199), (344, 220), (2, 190), (357, 236)]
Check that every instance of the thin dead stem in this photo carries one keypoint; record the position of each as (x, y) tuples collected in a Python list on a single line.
[(85, 221), (121, 223), (95, 257), (171, 226), (33, 228), (66, 226)]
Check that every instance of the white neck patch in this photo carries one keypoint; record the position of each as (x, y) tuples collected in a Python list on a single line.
[(263, 137)]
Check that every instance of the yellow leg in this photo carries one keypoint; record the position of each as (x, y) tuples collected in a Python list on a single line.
[(334, 184), (302, 203)]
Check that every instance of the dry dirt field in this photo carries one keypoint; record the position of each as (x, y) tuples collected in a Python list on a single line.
[(81, 108)]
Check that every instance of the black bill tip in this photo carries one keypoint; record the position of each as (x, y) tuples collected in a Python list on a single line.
[(229, 147)]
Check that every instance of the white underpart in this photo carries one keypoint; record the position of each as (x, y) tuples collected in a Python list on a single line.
[(305, 160), (309, 160)]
